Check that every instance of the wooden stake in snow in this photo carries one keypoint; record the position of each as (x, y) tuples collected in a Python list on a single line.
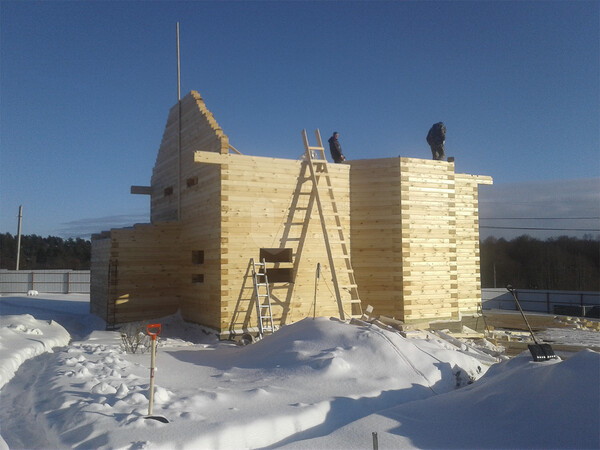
[(153, 331)]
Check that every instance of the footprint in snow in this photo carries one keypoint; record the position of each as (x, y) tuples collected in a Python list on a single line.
[(22, 328), (83, 373), (257, 392), (103, 388), (139, 445), (122, 391)]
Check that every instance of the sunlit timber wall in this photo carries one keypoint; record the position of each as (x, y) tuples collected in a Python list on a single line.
[(270, 203), (175, 178), (415, 238), (412, 226), (192, 193), (376, 233), (136, 273), (429, 265)]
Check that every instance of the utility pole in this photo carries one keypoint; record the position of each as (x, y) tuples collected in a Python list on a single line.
[(19, 236)]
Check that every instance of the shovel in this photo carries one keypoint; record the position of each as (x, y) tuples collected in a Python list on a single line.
[(539, 352), (153, 331)]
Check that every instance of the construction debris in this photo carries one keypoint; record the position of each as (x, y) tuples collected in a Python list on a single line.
[(498, 336)]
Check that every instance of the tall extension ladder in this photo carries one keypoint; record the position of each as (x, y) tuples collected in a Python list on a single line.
[(318, 163), (263, 301)]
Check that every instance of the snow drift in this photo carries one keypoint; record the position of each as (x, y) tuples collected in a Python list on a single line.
[(314, 384)]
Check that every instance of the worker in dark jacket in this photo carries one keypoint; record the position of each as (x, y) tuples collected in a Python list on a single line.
[(436, 139), (336, 148)]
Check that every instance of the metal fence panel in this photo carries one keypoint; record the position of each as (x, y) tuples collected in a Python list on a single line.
[(48, 281), (537, 301)]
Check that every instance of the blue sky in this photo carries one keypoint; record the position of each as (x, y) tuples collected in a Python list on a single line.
[(85, 89)]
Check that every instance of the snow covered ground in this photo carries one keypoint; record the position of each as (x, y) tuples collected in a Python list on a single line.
[(315, 384)]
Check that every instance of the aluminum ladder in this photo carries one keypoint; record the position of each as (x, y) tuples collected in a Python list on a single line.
[(263, 300), (317, 162)]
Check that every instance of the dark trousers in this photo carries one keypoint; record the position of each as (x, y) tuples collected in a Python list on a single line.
[(437, 150)]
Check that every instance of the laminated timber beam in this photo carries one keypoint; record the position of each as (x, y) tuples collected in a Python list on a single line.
[(208, 157), (211, 158), (142, 190), (215, 158)]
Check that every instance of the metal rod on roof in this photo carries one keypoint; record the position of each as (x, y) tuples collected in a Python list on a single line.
[(178, 130), (19, 236), (178, 67)]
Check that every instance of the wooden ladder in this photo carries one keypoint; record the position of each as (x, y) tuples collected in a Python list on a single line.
[(317, 162)]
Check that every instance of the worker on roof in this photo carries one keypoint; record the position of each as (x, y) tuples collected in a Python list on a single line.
[(436, 138), (336, 148)]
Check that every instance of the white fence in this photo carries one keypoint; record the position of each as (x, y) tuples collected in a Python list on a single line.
[(78, 282), (48, 281), (575, 303)]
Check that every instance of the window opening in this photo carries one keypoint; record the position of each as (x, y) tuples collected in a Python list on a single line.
[(198, 278), (197, 256)]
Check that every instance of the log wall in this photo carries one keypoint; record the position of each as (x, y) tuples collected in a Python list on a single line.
[(467, 241), (142, 277), (429, 265), (195, 199), (174, 171), (99, 279), (201, 239), (269, 203), (415, 238), (412, 227), (376, 232)]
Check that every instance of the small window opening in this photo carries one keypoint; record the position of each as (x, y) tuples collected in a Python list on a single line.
[(198, 278), (276, 255), (168, 191), (192, 181), (279, 257), (197, 256)]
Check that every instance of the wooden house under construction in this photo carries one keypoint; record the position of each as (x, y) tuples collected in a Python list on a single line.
[(399, 234)]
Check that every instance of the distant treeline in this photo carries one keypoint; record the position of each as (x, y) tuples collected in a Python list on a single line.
[(563, 263), (44, 253)]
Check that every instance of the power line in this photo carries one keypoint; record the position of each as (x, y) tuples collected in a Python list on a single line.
[(516, 202), (540, 218)]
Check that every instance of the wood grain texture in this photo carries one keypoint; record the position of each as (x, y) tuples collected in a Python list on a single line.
[(411, 227)]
